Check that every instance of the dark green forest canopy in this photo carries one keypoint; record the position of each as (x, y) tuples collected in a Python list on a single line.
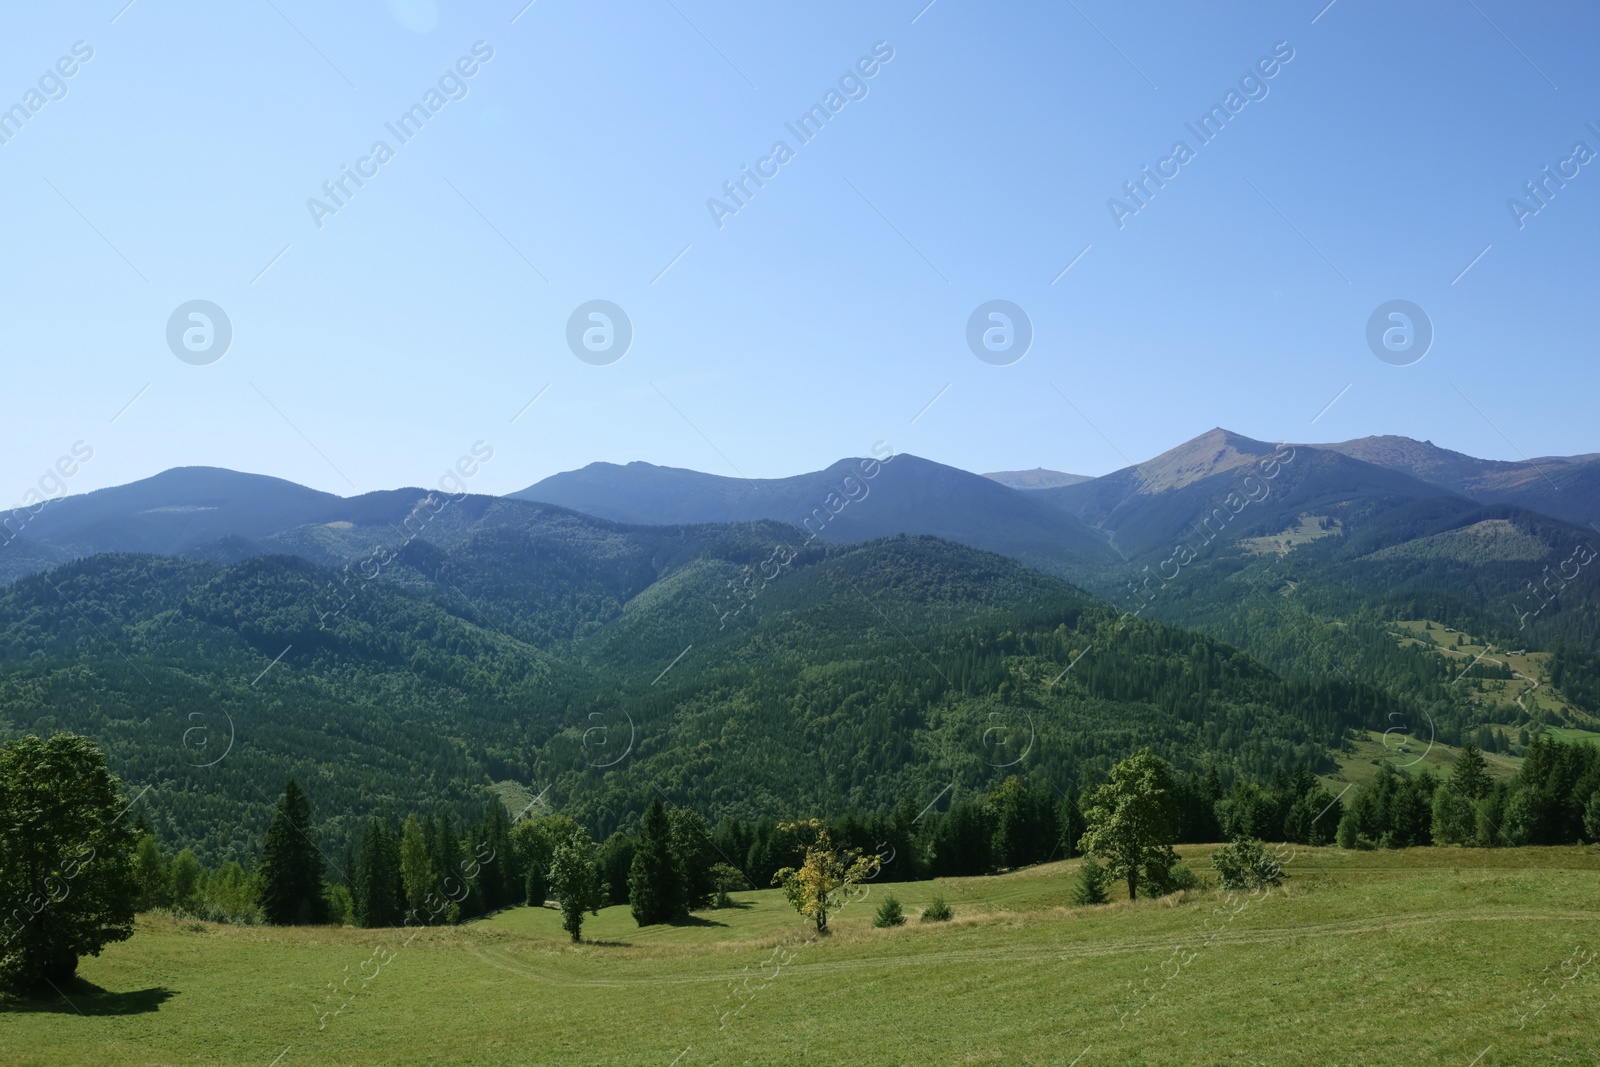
[(736, 670)]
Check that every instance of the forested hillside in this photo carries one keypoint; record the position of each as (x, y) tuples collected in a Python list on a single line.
[(622, 667)]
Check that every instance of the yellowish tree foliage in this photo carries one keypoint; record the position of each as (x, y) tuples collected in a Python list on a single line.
[(819, 886)]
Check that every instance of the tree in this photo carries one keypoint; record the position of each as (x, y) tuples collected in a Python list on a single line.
[(1246, 864), (936, 912), (380, 893), (291, 865), (813, 888), (655, 887), (576, 881), (1132, 822), (727, 879), (694, 856), (1455, 817), (889, 913), (67, 882), (1591, 818), (614, 859), (1469, 775), (186, 872), (1091, 886), (150, 870), (417, 875)]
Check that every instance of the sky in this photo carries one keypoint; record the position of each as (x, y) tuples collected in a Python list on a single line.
[(573, 153)]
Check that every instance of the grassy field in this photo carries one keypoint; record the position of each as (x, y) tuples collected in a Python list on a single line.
[(1528, 690), (1423, 956)]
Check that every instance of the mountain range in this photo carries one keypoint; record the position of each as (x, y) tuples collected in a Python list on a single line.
[(846, 638)]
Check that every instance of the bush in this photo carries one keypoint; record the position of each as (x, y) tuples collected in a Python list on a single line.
[(1246, 864), (1175, 878), (937, 912), (1091, 887), (889, 914)]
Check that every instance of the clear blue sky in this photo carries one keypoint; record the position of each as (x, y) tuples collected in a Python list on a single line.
[(830, 310)]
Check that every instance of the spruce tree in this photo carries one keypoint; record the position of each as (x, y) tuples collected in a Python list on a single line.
[(1091, 886), (291, 865), (654, 890), (380, 893), (1470, 775)]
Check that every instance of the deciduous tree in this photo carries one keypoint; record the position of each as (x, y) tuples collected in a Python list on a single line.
[(67, 883), (1133, 821)]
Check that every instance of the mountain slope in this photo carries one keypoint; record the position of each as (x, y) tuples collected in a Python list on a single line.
[(1563, 487)]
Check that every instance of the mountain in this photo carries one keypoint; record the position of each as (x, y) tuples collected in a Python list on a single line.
[(1222, 486), (1564, 487), (902, 494), (1038, 478), (854, 677), (177, 509)]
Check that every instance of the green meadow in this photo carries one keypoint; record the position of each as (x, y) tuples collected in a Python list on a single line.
[(1429, 955)]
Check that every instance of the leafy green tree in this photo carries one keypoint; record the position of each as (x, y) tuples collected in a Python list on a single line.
[(1591, 818), (655, 886), (533, 841), (341, 908), (1132, 822), (67, 882), (1246, 864), (291, 865), (728, 879), (151, 871), (576, 882), (1469, 775), (417, 875), (889, 913), (186, 872), (814, 888), (694, 856), (1091, 885), (1455, 817)]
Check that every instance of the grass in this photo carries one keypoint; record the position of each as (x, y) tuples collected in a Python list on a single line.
[(1307, 528), (1425, 955), (1529, 691)]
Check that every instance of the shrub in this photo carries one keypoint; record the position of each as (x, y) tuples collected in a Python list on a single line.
[(889, 914), (936, 912), (1175, 878), (1246, 864)]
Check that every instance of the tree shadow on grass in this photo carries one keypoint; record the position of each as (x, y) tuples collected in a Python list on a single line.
[(80, 997), (695, 920)]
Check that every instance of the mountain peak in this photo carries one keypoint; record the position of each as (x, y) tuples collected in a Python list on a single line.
[(1213, 452)]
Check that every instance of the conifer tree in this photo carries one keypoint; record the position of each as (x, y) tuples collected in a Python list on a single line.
[(291, 865), (655, 891)]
